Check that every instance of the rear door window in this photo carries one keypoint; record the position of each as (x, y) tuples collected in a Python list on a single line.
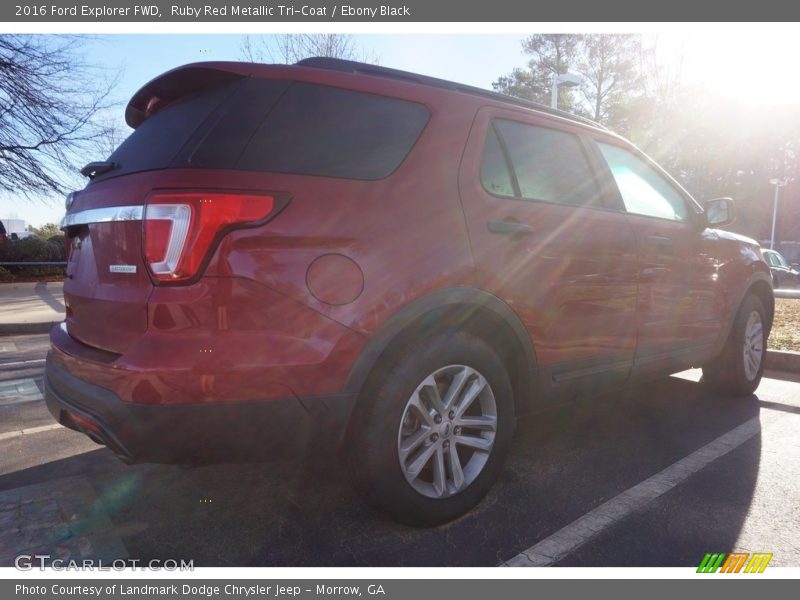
[(495, 173), (546, 164)]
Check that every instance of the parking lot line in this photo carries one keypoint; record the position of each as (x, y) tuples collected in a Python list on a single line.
[(567, 539), (24, 363), (13, 434)]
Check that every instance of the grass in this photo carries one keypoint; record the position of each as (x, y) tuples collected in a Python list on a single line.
[(786, 330)]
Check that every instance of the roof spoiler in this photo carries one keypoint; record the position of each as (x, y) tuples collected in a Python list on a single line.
[(178, 83)]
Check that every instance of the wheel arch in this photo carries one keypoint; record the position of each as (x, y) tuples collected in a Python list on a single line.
[(461, 308), (763, 291), (759, 284)]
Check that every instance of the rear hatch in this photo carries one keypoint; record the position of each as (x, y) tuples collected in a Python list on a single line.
[(107, 285), (209, 144), (107, 282)]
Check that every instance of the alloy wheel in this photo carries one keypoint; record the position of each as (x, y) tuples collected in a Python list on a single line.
[(753, 345), (447, 431)]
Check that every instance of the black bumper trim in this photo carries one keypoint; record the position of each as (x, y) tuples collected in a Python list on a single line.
[(209, 432)]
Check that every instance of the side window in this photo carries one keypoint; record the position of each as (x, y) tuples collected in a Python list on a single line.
[(331, 132), (495, 175), (548, 165), (643, 191)]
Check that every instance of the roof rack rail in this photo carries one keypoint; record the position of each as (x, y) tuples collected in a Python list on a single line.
[(351, 66)]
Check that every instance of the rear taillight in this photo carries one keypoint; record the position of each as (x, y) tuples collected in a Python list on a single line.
[(181, 227)]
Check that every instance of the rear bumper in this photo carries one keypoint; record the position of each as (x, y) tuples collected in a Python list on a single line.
[(251, 430)]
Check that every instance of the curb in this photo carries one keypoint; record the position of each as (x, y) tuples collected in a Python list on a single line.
[(26, 328), (787, 294), (783, 361)]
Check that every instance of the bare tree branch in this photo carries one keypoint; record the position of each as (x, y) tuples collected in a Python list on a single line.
[(49, 99), (291, 48)]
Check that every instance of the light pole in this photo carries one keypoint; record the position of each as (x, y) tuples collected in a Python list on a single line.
[(565, 79), (778, 183)]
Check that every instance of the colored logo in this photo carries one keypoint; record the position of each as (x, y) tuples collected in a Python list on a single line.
[(735, 562)]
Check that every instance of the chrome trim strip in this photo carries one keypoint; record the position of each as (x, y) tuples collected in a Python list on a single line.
[(103, 215)]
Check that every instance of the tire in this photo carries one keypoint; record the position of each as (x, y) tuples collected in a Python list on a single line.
[(390, 427), (737, 371)]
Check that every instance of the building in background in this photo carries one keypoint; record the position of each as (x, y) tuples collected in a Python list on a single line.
[(13, 225)]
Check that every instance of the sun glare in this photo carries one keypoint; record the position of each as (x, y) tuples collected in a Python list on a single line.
[(750, 68)]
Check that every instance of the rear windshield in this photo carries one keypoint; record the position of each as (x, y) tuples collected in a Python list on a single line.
[(156, 142), (278, 126)]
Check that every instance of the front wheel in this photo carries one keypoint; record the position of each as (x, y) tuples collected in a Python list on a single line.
[(737, 371), (431, 434)]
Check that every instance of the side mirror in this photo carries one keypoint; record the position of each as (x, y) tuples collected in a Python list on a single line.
[(719, 212)]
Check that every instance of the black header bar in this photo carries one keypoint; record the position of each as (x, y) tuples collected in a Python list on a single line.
[(410, 11)]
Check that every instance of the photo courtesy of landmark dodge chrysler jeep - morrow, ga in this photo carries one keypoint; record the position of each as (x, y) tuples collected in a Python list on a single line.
[(334, 256)]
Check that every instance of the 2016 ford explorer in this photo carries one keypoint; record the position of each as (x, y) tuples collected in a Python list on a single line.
[(332, 255)]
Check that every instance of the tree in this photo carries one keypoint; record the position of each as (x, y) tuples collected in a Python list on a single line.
[(607, 63), (49, 97), (293, 47), (46, 231), (713, 144), (553, 54), (609, 66)]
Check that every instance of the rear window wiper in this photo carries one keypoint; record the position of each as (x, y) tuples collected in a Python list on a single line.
[(93, 169)]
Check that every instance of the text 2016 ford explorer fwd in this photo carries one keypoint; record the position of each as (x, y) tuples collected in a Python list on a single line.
[(333, 255)]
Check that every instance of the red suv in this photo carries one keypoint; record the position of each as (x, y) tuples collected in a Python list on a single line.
[(333, 255)]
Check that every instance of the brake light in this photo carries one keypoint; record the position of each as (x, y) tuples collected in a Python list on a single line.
[(181, 227)]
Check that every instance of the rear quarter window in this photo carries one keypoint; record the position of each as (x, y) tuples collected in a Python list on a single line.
[(332, 132)]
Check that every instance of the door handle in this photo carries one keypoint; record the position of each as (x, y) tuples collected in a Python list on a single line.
[(509, 228), (659, 241)]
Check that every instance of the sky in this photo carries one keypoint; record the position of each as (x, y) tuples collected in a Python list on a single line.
[(719, 60)]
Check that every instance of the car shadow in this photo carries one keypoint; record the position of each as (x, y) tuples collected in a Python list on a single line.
[(562, 464)]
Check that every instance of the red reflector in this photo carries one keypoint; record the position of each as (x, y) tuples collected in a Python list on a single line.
[(85, 423), (181, 227)]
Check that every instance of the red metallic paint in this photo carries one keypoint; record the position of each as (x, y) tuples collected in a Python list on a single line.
[(220, 340), (251, 328)]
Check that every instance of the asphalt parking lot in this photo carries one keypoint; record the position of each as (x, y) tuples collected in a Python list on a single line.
[(63, 495)]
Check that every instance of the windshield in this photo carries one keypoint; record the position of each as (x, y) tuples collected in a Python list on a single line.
[(777, 260)]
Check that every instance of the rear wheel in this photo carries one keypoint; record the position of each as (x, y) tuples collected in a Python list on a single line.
[(737, 371), (433, 432)]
